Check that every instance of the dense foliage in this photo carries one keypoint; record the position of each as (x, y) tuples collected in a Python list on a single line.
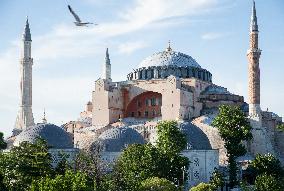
[(202, 187), (70, 181), (217, 180), (280, 127), (25, 163), (267, 164), (3, 144), (234, 128), (171, 141), (157, 184), (265, 182), (140, 162), (90, 162)]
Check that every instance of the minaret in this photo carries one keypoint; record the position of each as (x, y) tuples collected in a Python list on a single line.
[(44, 121), (253, 56), (25, 117), (261, 142), (107, 67)]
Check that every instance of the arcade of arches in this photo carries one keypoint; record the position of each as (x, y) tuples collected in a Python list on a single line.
[(146, 105)]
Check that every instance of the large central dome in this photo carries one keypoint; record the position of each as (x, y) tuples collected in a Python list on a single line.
[(167, 58)]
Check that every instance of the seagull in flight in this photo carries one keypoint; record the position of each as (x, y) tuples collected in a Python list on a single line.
[(78, 20)]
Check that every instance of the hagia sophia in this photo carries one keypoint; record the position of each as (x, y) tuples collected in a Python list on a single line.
[(168, 85)]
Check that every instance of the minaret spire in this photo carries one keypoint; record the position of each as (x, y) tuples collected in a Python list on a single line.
[(27, 32), (253, 56), (107, 67), (253, 25), (25, 117)]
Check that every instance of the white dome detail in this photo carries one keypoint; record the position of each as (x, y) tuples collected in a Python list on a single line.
[(167, 58)]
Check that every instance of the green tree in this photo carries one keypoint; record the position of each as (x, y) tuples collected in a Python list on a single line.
[(280, 127), (3, 144), (136, 164), (267, 164), (266, 182), (140, 162), (90, 162), (70, 181), (62, 167), (202, 187), (217, 180), (25, 163), (234, 128), (171, 141), (157, 184)]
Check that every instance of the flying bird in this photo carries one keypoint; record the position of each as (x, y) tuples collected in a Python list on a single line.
[(77, 18)]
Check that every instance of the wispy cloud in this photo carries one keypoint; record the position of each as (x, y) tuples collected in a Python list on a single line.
[(212, 36), (130, 47)]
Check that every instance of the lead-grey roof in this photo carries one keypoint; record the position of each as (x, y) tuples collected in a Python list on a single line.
[(55, 136), (214, 89), (169, 57), (116, 139), (196, 138)]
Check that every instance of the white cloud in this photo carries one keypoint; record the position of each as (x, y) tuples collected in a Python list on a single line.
[(130, 47), (212, 36)]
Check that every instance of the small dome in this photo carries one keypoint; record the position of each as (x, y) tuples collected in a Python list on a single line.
[(116, 139), (196, 138), (55, 136), (167, 58)]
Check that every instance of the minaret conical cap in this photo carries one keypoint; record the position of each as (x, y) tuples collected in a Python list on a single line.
[(27, 33), (107, 60), (253, 25)]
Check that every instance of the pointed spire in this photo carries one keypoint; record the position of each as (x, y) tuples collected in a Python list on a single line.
[(169, 46), (44, 117), (27, 33), (253, 25), (107, 60)]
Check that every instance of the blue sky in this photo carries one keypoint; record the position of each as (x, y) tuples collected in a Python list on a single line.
[(68, 59)]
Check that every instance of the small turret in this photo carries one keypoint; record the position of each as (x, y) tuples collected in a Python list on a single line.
[(44, 117), (107, 67), (169, 49)]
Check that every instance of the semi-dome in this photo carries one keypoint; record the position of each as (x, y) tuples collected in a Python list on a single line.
[(56, 137), (196, 138), (116, 139), (169, 58)]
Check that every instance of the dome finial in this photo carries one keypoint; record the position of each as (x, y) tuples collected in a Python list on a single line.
[(169, 46), (44, 117)]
